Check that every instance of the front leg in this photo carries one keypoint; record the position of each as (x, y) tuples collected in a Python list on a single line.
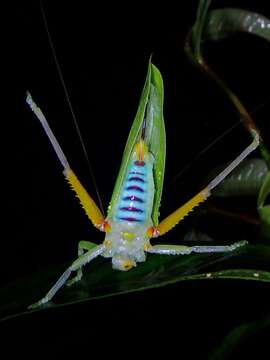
[(186, 250), (76, 265)]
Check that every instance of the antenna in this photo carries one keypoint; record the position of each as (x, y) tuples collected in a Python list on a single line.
[(203, 151), (70, 106), (208, 147)]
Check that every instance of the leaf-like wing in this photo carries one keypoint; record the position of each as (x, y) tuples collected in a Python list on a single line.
[(151, 110)]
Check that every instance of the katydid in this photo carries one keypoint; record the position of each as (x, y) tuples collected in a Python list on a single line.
[(132, 218)]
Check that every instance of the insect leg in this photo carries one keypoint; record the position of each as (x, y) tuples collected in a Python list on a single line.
[(83, 245), (173, 219), (87, 203), (76, 265), (186, 250)]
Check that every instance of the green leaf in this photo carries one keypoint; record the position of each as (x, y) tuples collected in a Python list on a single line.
[(150, 108), (239, 336), (100, 280), (222, 23), (245, 180), (264, 209), (225, 22), (216, 25), (197, 29)]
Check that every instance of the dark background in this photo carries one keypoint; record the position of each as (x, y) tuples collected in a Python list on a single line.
[(103, 52)]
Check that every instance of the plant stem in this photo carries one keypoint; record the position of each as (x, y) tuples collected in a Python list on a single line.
[(246, 118)]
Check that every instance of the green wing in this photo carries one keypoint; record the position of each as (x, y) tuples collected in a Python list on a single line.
[(151, 109)]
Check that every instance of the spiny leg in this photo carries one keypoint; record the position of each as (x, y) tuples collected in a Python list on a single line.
[(186, 250), (173, 219), (77, 264), (83, 245), (86, 201)]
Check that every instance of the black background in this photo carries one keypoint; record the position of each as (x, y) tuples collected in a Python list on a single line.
[(103, 52)]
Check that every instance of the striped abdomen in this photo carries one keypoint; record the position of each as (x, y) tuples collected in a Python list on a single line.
[(136, 199)]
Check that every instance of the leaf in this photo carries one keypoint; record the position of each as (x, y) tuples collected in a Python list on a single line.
[(150, 108), (264, 209), (216, 25), (101, 281), (239, 336), (222, 23), (225, 22), (197, 29), (245, 180)]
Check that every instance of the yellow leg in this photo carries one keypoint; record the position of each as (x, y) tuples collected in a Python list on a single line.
[(173, 219), (169, 222), (87, 203)]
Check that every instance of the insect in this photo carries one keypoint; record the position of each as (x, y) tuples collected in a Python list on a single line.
[(133, 214)]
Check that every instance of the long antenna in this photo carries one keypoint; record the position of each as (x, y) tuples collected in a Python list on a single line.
[(71, 108), (203, 151), (208, 147)]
